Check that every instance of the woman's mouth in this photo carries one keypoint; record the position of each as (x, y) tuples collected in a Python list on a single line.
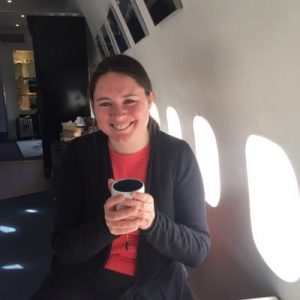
[(122, 126)]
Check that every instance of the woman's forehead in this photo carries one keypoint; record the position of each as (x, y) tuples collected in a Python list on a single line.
[(116, 82)]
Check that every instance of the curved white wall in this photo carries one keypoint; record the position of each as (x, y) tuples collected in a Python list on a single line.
[(236, 63)]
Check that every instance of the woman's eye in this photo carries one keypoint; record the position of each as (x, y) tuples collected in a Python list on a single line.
[(104, 104), (129, 101)]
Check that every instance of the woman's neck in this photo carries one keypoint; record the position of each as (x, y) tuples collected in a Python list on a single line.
[(129, 147)]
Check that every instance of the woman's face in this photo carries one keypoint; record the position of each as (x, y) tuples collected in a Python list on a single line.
[(122, 108)]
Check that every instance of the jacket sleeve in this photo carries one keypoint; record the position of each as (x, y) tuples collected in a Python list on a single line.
[(76, 239), (185, 238)]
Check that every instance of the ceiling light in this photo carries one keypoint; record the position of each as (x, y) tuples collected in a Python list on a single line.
[(9, 1), (17, 25), (22, 16)]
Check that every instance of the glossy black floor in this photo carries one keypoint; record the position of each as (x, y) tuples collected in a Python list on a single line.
[(26, 224)]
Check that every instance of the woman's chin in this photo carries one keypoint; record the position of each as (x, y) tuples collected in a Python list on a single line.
[(122, 138)]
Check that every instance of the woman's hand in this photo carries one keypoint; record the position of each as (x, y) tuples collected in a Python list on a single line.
[(146, 211), (125, 215), (123, 220)]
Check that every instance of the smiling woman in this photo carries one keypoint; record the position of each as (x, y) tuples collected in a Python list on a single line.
[(122, 108), (107, 253), (121, 95)]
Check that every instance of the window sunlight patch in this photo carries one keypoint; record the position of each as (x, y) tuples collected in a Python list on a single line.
[(31, 211), (154, 113), (12, 267), (7, 229), (208, 159), (274, 207), (174, 127)]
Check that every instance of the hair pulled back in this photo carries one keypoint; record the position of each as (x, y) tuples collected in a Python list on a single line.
[(123, 64)]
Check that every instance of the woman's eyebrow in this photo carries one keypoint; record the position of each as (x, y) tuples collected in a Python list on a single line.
[(129, 95), (102, 99)]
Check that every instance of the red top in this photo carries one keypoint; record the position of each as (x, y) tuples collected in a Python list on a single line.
[(132, 165)]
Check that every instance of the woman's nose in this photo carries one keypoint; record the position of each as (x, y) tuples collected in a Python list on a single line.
[(117, 110)]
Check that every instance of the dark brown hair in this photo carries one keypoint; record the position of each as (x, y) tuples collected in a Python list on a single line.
[(121, 64)]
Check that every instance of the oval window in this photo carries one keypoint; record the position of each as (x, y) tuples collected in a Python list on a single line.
[(208, 159), (154, 113), (274, 206), (174, 127)]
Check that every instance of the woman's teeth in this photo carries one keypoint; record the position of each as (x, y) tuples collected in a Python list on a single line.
[(121, 126)]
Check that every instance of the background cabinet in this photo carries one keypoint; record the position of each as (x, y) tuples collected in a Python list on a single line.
[(25, 81), (26, 91)]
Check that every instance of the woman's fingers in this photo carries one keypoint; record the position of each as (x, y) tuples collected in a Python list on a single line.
[(146, 209), (121, 213), (123, 226), (110, 182), (122, 219), (124, 215)]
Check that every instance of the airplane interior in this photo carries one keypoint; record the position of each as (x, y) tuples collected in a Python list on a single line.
[(226, 79)]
